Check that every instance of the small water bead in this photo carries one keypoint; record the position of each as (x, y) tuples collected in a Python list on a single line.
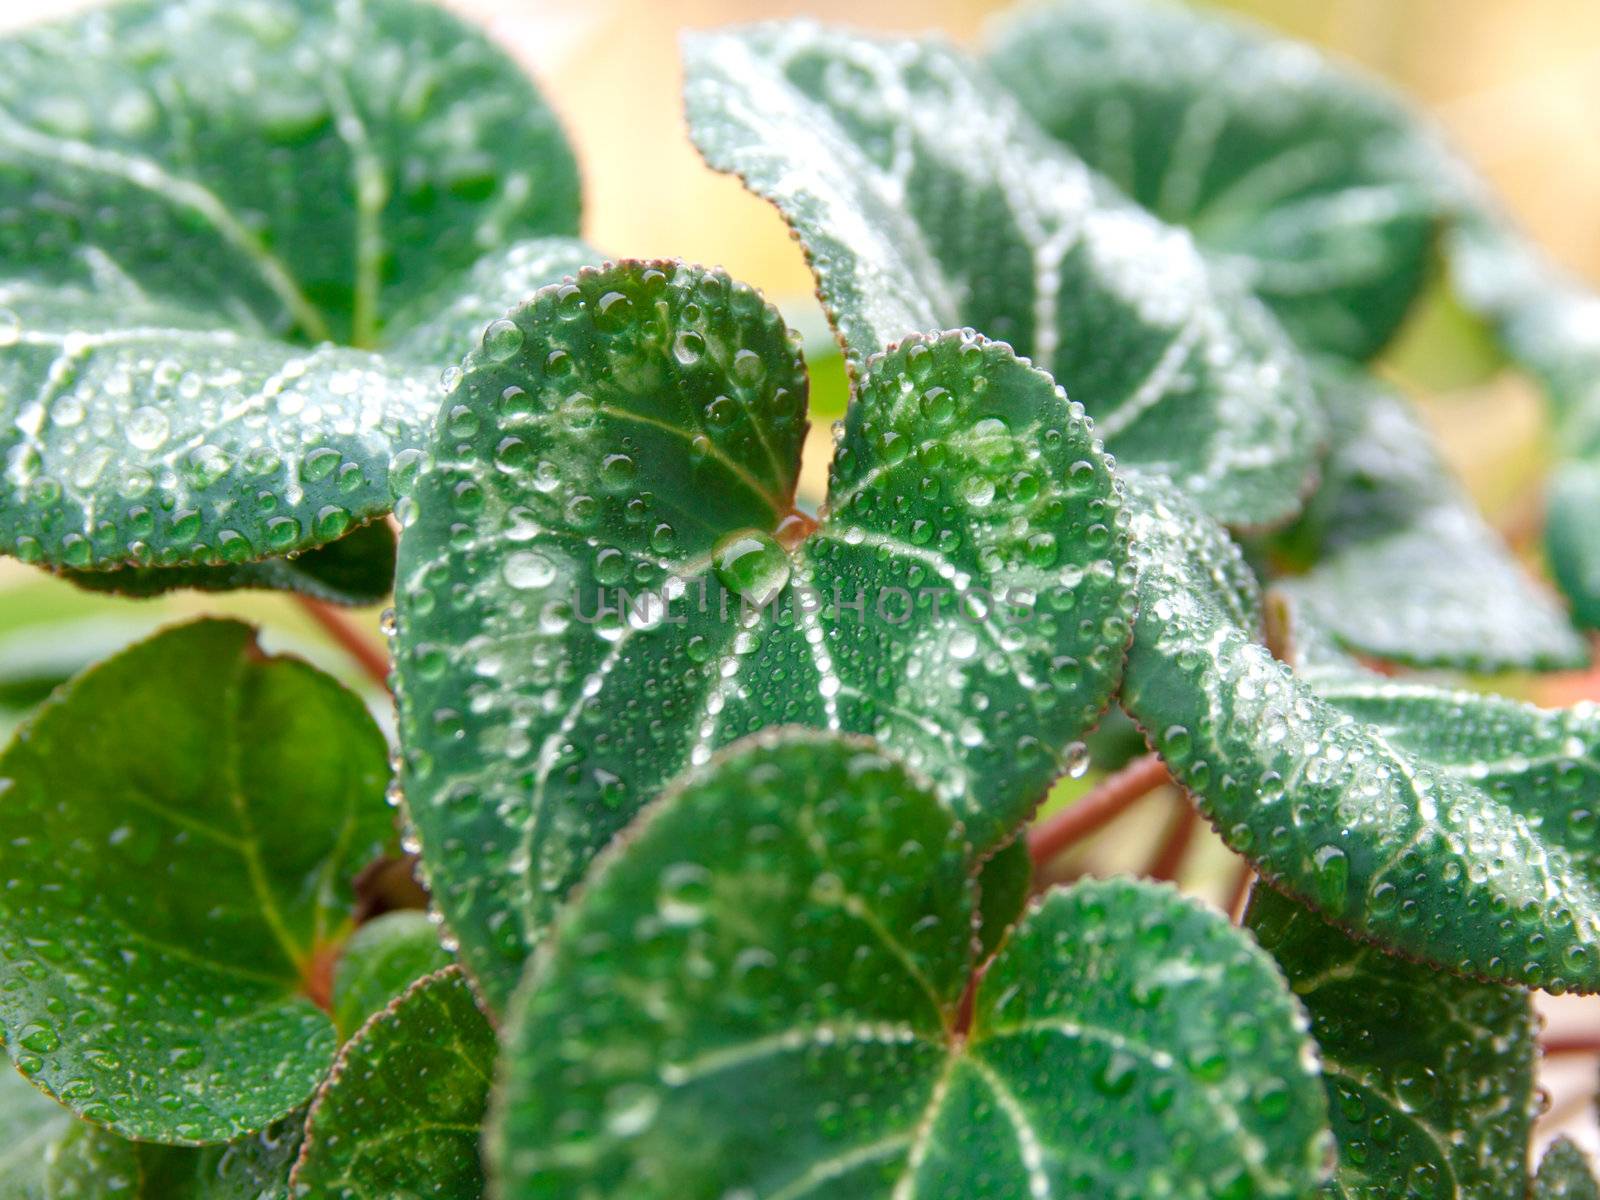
[(502, 340), (752, 565), (615, 310), (147, 428), (748, 368), (528, 569)]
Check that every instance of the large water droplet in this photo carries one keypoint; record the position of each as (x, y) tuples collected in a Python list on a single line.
[(751, 564)]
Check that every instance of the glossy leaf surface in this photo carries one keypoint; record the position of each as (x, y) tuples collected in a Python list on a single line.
[(402, 1112), (1430, 1077), (1447, 825), (826, 895), (235, 240), (927, 200), (1402, 566), (180, 827), (964, 599), (382, 959), (1292, 173)]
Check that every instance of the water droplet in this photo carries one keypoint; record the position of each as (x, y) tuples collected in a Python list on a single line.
[(501, 340), (752, 565)]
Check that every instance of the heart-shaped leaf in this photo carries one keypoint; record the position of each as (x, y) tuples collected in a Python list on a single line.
[(29, 1125), (1401, 564), (1289, 171), (239, 243), (251, 788), (358, 568), (1451, 826), (1564, 1175), (926, 199), (1124, 1043), (1430, 1077), (92, 1164), (382, 959), (964, 598), (374, 1132)]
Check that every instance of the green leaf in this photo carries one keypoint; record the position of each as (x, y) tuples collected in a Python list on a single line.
[(1430, 1077), (1564, 1174), (825, 895), (1402, 564), (374, 1131), (1004, 885), (239, 244), (646, 435), (93, 1164), (180, 825), (926, 199), (1450, 826), (382, 959), (1291, 173), (358, 568), (29, 1125)]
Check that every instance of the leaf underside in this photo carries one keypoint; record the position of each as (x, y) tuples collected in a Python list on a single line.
[(1448, 825), (645, 435), (250, 789), (240, 243), (827, 896), (926, 199), (1430, 1077)]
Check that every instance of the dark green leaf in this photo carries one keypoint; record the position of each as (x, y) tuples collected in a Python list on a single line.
[(825, 896), (400, 1115), (1290, 172), (1564, 1175), (1450, 826), (646, 435), (179, 828), (239, 243), (926, 200), (1430, 1077), (1004, 885), (356, 569), (93, 1164), (29, 1125), (1402, 565), (381, 959)]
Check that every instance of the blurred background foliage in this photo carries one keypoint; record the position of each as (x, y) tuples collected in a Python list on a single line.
[(1515, 83)]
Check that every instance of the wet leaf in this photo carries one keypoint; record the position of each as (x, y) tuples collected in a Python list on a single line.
[(29, 1125), (1402, 565), (825, 895), (400, 1115), (1430, 1077), (356, 569), (1291, 173), (1448, 825), (964, 599), (179, 830), (926, 199), (1564, 1174), (92, 1164), (382, 959), (239, 245)]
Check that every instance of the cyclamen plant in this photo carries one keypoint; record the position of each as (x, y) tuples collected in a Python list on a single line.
[(722, 804)]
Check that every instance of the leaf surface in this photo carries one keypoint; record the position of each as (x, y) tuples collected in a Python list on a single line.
[(180, 826), (382, 959), (1402, 565), (240, 243), (1447, 825), (927, 200), (92, 1164), (1290, 172), (1564, 1174), (29, 1125), (401, 1114), (826, 895), (964, 599), (1430, 1077)]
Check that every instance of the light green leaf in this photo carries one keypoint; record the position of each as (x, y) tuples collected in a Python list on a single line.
[(926, 199), (179, 829), (1447, 825), (1430, 1077), (29, 1125), (400, 1115), (1290, 172), (382, 959), (826, 896), (645, 435), (239, 244), (1402, 566), (92, 1164), (358, 568), (1564, 1175)]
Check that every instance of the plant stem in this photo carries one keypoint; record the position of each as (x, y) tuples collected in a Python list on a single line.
[(1114, 794), (1239, 893), (373, 662), (1577, 1043), (1175, 844)]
